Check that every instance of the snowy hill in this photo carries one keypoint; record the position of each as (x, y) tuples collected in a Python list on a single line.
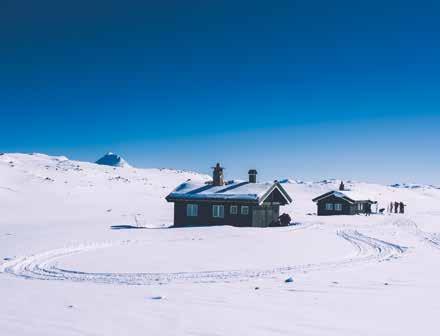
[(73, 190), (113, 160), (71, 223), (37, 185)]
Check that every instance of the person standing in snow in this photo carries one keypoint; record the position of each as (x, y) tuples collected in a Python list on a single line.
[(402, 207), (368, 209), (396, 207)]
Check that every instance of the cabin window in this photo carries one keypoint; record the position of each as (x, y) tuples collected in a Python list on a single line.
[(329, 206), (233, 210), (245, 210), (192, 210), (218, 211), (360, 206), (338, 207)]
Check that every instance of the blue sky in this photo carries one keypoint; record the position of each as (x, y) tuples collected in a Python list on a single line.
[(305, 89)]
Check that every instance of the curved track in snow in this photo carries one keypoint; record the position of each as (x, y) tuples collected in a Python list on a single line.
[(43, 266), (431, 239)]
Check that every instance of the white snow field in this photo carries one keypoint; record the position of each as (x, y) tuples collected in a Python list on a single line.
[(85, 249)]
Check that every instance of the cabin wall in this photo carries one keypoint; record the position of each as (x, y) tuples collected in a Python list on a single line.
[(364, 207), (258, 216), (275, 197), (347, 208), (205, 217)]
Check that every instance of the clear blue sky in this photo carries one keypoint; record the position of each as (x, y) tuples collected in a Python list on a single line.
[(305, 89)]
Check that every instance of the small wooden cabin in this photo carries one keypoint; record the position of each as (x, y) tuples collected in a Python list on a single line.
[(235, 203), (342, 203)]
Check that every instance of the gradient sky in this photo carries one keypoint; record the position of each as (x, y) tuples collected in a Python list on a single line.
[(301, 89)]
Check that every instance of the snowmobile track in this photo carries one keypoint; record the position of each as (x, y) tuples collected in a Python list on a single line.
[(43, 266), (431, 239)]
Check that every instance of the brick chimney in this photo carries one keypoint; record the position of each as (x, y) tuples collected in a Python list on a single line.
[(217, 175), (252, 176)]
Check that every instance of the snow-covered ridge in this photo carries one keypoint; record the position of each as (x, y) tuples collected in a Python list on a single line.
[(36, 161), (39, 185), (336, 182), (57, 185)]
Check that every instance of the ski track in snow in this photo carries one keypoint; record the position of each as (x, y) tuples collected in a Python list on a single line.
[(8, 189), (432, 239), (43, 266)]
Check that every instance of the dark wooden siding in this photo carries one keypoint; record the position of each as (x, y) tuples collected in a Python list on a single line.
[(275, 197), (347, 207), (259, 216), (205, 217)]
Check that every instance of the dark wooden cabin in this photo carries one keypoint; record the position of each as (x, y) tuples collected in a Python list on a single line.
[(235, 203), (342, 203)]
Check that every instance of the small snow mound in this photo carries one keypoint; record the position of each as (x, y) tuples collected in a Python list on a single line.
[(290, 181), (113, 160), (49, 157)]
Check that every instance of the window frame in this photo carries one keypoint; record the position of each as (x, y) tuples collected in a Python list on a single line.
[(244, 213), (337, 206), (329, 207), (190, 207), (218, 211), (235, 212)]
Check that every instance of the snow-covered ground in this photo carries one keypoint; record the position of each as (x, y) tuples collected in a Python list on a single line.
[(72, 261)]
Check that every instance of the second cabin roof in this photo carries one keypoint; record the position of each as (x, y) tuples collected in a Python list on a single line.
[(232, 191), (348, 195)]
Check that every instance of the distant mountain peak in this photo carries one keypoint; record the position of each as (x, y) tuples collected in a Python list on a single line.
[(112, 159)]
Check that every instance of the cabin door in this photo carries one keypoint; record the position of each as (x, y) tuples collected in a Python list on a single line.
[(264, 216), (259, 217)]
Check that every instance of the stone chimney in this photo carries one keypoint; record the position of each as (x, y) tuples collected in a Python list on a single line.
[(252, 176), (217, 175)]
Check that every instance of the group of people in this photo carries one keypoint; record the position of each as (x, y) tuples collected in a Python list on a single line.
[(396, 207)]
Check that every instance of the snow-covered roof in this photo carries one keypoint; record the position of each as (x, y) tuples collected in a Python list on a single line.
[(349, 195), (233, 190)]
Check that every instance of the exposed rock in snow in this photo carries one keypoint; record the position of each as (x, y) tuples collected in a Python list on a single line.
[(410, 186), (114, 160)]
